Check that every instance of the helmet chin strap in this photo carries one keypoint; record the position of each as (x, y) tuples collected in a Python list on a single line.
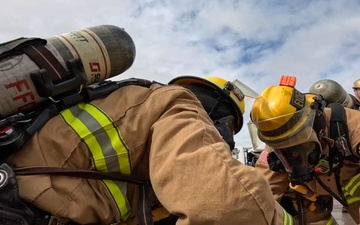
[(219, 109), (214, 106), (225, 126)]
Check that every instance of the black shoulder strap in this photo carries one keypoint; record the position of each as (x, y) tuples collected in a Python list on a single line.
[(338, 123), (25, 126), (339, 129), (340, 133)]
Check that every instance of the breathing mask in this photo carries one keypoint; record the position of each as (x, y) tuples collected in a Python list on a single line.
[(300, 160)]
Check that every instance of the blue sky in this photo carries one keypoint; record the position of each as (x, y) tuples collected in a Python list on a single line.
[(253, 41)]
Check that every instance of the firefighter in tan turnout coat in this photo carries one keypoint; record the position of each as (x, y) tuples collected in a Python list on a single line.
[(159, 133), (305, 165)]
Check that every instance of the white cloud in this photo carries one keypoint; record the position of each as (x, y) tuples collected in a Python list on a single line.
[(250, 40)]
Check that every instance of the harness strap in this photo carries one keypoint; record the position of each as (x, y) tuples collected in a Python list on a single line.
[(144, 210), (339, 132), (35, 49), (53, 220), (301, 209), (14, 47), (88, 174), (44, 59)]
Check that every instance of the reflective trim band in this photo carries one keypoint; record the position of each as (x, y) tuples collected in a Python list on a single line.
[(287, 218), (345, 192), (99, 133), (353, 200), (109, 152), (352, 181), (349, 198), (117, 190), (332, 221), (352, 185)]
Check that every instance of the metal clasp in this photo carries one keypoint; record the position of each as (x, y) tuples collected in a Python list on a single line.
[(4, 177)]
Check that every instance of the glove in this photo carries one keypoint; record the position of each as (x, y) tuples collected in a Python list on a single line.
[(307, 193), (274, 163)]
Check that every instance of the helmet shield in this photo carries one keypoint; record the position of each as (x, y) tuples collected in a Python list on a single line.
[(291, 129)]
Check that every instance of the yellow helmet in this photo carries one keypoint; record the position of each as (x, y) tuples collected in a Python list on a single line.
[(356, 84), (227, 88), (281, 112)]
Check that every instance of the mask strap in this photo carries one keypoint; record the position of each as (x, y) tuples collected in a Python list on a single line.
[(225, 126)]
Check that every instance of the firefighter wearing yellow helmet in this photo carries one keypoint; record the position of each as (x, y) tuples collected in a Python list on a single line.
[(302, 160), (176, 137), (356, 97), (356, 83), (280, 113)]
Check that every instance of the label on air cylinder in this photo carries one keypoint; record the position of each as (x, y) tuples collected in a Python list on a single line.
[(85, 44), (17, 90)]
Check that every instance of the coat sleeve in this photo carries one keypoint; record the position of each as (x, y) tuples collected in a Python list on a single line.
[(195, 177), (350, 177), (278, 181)]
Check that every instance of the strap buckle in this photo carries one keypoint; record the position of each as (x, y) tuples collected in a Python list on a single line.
[(58, 221)]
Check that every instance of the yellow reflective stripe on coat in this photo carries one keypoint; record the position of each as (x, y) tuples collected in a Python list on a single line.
[(109, 152), (353, 185), (349, 198), (352, 200), (332, 221), (288, 220)]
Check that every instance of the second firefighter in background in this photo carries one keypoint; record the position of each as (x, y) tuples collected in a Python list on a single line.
[(305, 167)]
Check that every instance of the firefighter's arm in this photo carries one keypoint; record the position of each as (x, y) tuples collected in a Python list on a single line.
[(195, 177), (279, 182), (349, 173)]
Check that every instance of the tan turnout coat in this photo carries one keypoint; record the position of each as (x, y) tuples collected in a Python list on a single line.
[(279, 182), (172, 142)]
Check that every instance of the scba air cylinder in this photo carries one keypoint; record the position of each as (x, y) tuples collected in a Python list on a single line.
[(105, 51), (332, 92)]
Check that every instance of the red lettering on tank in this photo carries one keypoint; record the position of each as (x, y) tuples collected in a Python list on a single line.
[(24, 93), (24, 97), (94, 67), (18, 84)]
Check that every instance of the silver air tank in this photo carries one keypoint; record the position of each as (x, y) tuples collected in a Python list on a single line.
[(104, 50), (332, 92)]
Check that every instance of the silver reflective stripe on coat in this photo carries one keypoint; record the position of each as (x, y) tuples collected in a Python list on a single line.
[(109, 152)]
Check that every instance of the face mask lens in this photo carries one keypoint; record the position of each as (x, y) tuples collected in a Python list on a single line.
[(299, 160), (313, 158), (290, 157)]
